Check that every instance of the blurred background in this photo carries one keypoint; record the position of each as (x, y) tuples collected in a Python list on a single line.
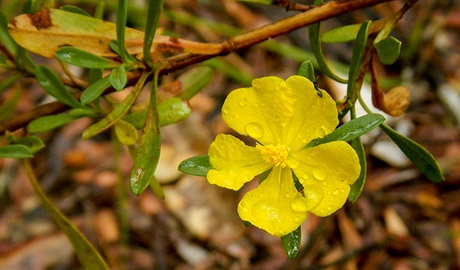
[(401, 221)]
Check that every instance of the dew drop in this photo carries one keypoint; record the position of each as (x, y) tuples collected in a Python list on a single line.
[(319, 173), (299, 205), (243, 207), (336, 192), (329, 208), (225, 110), (314, 195), (243, 101), (254, 130)]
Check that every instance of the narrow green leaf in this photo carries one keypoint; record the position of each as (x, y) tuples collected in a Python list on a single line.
[(173, 110), (94, 75), (49, 122), (156, 187), (126, 133), (170, 111), (315, 44), (6, 83), (421, 158), (357, 188), (198, 165), (51, 83), (307, 70), (74, 9), (137, 118), (148, 153), (5, 38), (94, 90), (118, 111), (85, 251), (291, 242), (118, 78), (359, 49), (388, 50), (122, 15), (153, 15), (341, 34), (80, 58), (15, 151), (351, 129), (356, 60), (34, 143), (194, 80)]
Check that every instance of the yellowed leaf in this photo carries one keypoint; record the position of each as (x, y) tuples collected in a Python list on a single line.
[(50, 29)]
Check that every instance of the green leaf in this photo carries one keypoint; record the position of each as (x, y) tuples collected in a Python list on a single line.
[(307, 70), (15, 151), (388, 50), (118, 78), (7, 82), (291, 242), (80, 58), (341, 34), (198, 165), (194, 80), (148, 153), (357, 58), (49, 122), (94, 90), (85, 251), (355, 65), (118, 111), (170, 111), (34, 143), (122, 15), (357, 188), (5, 39), (94, 75), (126, 133), (421, 158), (153, 15), (351, 129), (51, 83), (173, 110), (74, 9), (156, 187), (315, 44)]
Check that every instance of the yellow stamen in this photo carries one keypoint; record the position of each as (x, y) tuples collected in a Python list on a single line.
[(275, 154)]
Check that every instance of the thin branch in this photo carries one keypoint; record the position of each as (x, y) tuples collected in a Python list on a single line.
[(289, 24)]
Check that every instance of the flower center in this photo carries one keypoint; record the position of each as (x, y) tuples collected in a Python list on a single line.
[(275, 154)]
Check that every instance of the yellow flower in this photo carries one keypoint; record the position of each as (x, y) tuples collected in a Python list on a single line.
[(283, 117)]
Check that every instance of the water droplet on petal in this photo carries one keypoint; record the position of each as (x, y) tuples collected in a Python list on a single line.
[(319, 173), (314, 195), (243, 101), (299, 205), (254, 130), (224, 110), (336, 192), (329, 208)]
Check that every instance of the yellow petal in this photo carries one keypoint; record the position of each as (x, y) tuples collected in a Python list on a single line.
[(274, 111), (275, 205), (313, 116), (234, 163), (261, 111), (326, 172)]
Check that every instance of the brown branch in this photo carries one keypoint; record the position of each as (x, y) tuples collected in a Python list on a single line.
[(311, 16)]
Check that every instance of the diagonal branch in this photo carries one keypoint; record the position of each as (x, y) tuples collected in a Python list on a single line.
[(283, 26)]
